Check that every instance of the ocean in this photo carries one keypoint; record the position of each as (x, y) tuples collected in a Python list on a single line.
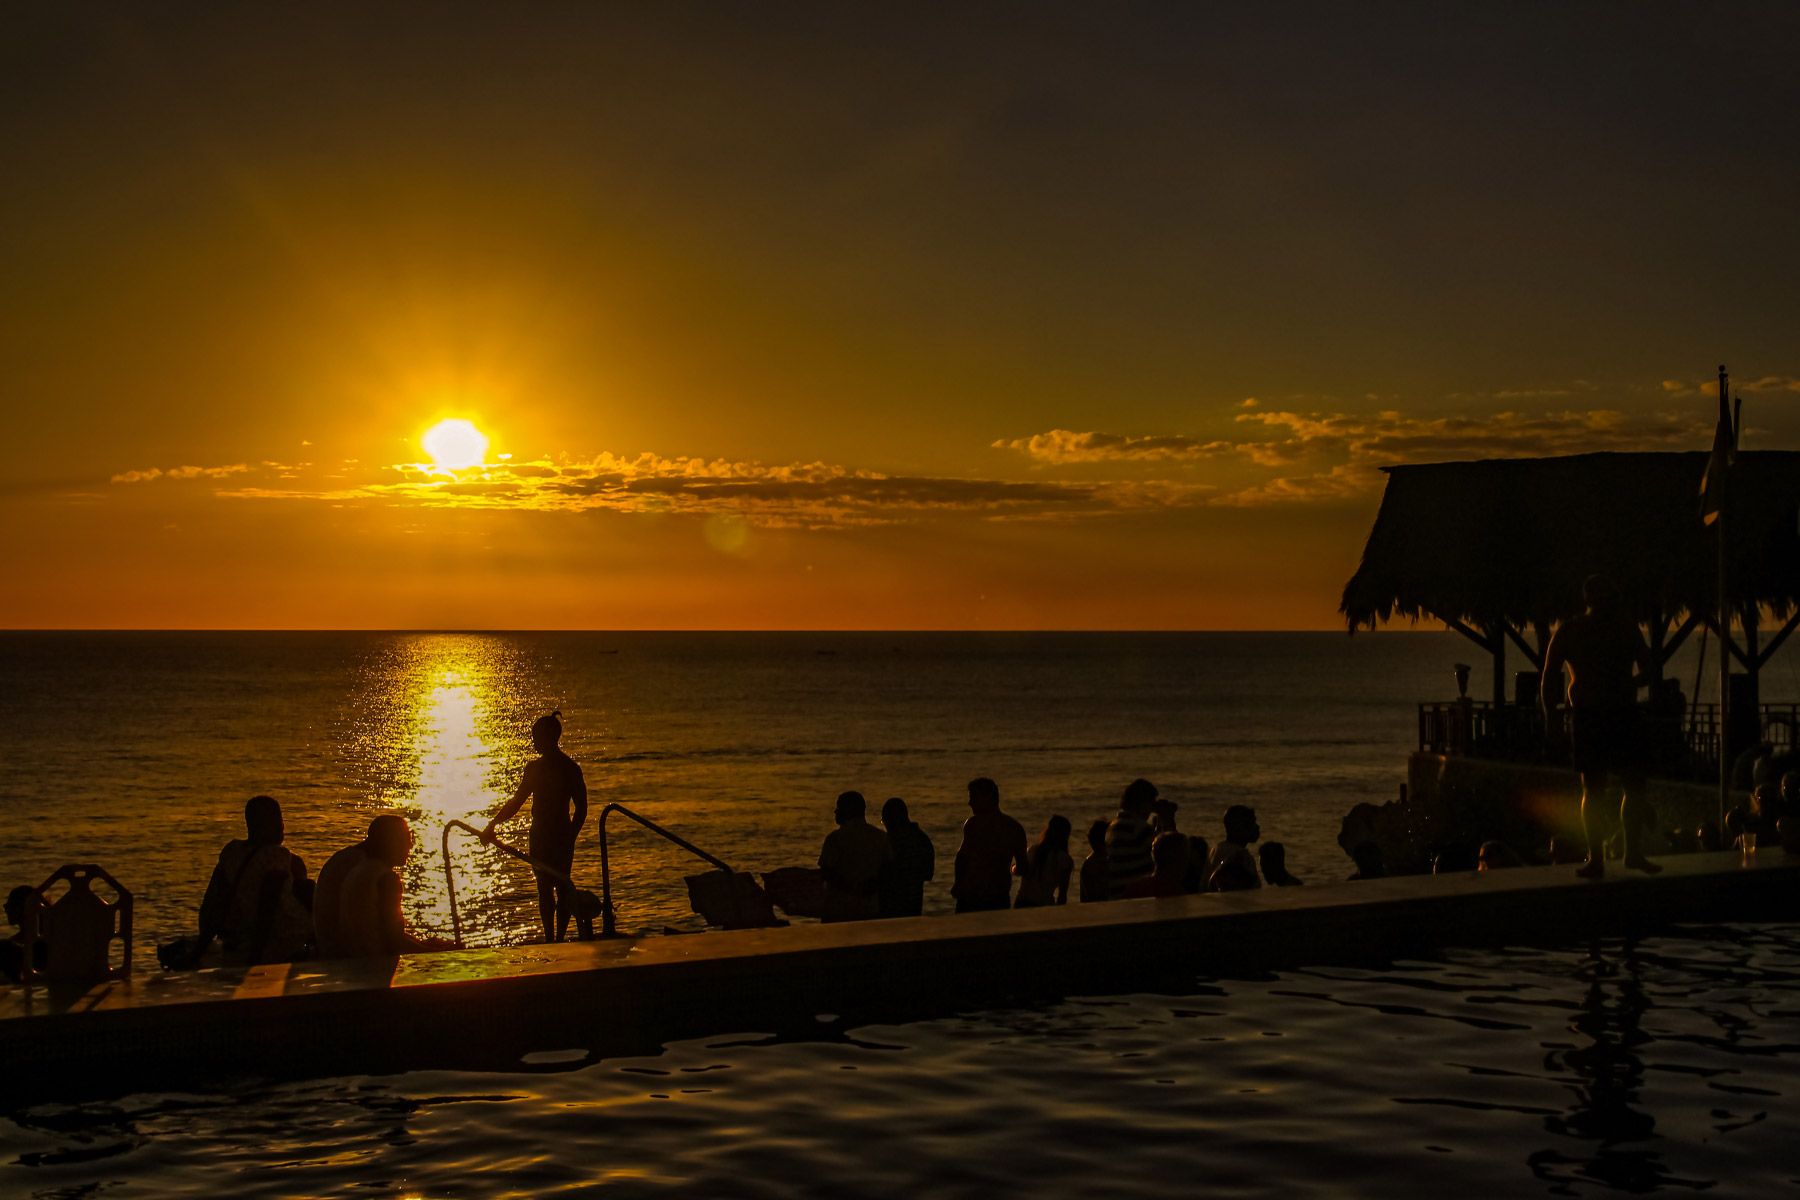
[(137, 750)]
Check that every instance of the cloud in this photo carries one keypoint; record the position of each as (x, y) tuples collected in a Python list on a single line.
[(147, 474), (1329, 456), (1065, 446), (810, 495)]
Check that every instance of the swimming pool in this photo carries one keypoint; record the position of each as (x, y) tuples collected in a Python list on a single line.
[(1668, 1063)]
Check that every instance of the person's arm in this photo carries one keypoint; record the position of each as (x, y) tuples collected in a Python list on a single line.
[(516, 803), (1554, 658), (927, 856), (214, 905), (389, 924), (1021, 852), (1062, 881), (580, 798), (828, 867)]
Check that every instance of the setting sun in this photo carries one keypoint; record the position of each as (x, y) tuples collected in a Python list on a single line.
[(455, 444)]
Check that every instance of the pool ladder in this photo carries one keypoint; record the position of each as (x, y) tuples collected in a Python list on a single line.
[(608, 928), (584, 923)]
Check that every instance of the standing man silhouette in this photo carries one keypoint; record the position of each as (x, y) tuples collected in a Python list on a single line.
[(553, 783), (1603, 651)]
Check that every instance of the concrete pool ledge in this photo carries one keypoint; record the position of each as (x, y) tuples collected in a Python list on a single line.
[(487, 1007)]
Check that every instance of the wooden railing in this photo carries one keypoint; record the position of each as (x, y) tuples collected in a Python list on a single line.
[(1687, 744)]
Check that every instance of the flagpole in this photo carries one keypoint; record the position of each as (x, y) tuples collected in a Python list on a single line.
[(1724, 627)]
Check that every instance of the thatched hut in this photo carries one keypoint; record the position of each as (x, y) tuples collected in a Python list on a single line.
[(1497, 549)]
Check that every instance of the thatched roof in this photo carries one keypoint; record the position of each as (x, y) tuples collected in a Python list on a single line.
[(1512, 539)]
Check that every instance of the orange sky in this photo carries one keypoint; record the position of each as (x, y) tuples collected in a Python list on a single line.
[(807, 316)]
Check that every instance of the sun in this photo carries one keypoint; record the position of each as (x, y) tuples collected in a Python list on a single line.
[(455, 444)]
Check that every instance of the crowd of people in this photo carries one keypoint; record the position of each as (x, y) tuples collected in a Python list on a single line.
[(1138, 853)]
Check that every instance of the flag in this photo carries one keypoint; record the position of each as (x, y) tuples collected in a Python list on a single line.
[(1718, 463)]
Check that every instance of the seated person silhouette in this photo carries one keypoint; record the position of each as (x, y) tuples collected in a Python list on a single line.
[(257, 901), (1168, 869), (852, 860), (1045, 879), (1096, 871), (1232, 868), (356, 908), (1274, 865), (12, 950), (912, 861), (1368, 860)]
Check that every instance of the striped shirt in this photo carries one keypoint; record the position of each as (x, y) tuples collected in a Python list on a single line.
[(1128, 850)]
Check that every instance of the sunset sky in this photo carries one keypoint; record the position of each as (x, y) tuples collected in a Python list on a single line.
[(841, 315)]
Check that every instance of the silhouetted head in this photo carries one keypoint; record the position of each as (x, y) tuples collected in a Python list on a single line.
[(1495, 855), (984, 795), (262, 819), (1600, 593), (1169, 853), (15, 904), (1097, 836), (1274, 860), (1056, 834), (893, 813), (1240, 825), (546, 731), (1139, 797), (850, 807), (390, 839)]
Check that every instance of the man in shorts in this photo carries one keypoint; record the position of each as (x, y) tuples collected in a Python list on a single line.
[(1607, 660)]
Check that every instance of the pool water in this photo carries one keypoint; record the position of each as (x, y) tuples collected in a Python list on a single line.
[(1667, 1064)]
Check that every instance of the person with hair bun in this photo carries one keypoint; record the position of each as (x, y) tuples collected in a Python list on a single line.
[(553, 783)]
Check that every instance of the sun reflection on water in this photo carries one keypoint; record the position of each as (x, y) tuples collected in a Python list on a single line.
[(439, 742)]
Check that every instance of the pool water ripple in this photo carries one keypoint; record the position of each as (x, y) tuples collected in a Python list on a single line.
[(1663, 1065)]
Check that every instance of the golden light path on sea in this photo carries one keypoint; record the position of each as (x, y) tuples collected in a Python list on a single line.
[(452, 692)]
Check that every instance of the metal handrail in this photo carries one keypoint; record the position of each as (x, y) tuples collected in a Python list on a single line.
[(496, 843), (607, 927)]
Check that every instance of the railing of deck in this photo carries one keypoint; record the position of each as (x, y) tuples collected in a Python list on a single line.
[(1679, 744)]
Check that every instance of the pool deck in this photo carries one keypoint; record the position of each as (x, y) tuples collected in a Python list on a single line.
[(487, 1007)]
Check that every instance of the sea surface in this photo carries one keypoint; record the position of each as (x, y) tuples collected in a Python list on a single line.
[(1663, 1065), (137, 750)]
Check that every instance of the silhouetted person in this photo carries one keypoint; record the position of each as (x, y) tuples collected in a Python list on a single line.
[(912, 861), (852, 860), (1601, 648), (1274, 865), (1199, 857), (1096, 871), (1045, 878), (1129, 836), (554, 784), (356, 907), (1168, 874), (12, 950), (256, 902), (1232, 868), (993, 843), (1369, 864)]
